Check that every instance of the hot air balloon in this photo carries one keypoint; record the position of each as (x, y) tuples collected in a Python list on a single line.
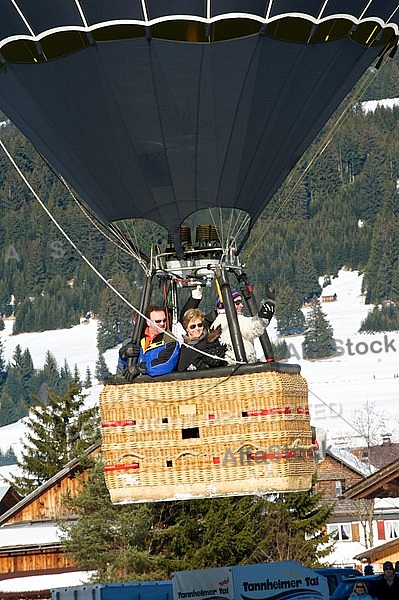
[(157, 110)]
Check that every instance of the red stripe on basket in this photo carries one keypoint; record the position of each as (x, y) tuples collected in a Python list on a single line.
[(216, 460), (123, 423), (302, 411), (260, 412), (121, 467)]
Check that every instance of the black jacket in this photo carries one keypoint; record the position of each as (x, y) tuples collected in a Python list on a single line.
[(387, 592), (190, 360)]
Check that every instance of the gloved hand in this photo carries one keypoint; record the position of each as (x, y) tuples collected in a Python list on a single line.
[(131, 373), (216, 349), (130, 350), (266, 310), (196, 293), (214, 334)]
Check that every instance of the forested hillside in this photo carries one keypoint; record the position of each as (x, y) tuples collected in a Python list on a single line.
[(343, 210)]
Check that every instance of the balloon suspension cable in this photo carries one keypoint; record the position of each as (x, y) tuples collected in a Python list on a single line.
[(84, 257), (119, 240), (232, 230), (320, 148)]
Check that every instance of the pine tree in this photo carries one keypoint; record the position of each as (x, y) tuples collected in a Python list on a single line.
[(59, 429), (88, 382), (76, 374), (149, 541), (101, 365), (50, 372), (66, 377), (319, 341), (290, 318), (115, 321), (116, 541), (27, 367), (8, 457), (3, 372)]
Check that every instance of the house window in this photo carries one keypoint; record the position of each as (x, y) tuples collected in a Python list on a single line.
[(339, 487), (340, 532), (391, 530), (364, 455)]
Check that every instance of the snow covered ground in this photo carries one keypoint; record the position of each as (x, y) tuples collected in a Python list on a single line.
[(366, 369), (371, 105)]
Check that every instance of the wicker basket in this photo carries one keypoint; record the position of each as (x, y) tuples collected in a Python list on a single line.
[(235, 432)]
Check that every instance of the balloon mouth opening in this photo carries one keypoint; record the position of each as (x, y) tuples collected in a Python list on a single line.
[(298, 29)]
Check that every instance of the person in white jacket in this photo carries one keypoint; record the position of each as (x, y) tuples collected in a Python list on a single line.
[(250, 327)]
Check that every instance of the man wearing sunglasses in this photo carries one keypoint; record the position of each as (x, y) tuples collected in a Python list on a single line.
[(388, 585), (157, 353), (250, 327)]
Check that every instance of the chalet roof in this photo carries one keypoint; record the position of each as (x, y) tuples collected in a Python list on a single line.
[(351, 461), (69, 468), (378, 553), (16, 536), (382, 454), (3, 490), (381, 484)]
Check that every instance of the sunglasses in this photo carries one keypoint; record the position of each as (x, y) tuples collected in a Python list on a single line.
[(159, 321), (194, 325), (359, 587), (237, 302)]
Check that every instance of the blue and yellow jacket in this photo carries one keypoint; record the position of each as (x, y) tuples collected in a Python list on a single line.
[(160, 355)]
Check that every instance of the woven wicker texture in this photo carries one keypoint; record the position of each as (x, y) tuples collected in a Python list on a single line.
[(235, 435)]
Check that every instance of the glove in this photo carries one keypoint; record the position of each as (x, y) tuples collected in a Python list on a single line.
[(216, 349), (130, 350), (218, 352), (197, 293), (270, 293), (214, 334), (131, 373), (266, 310)]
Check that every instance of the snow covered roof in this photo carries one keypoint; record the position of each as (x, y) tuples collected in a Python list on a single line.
[(45, 582), (3, 490), (14, 536), (351, 461)]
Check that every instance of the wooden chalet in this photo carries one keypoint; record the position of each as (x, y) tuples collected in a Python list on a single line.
[(8, 498), (379, 554), (329, 298), (340, 470), (29, 536), (384, 483)]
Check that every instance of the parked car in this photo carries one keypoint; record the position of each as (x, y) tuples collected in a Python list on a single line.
[(345, 588), (335, 575)]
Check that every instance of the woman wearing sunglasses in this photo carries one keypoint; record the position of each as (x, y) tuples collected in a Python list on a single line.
[(360, 591), (199, 338)]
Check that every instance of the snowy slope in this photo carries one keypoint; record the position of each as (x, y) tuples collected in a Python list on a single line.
[(366, 370), (337, 386)]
